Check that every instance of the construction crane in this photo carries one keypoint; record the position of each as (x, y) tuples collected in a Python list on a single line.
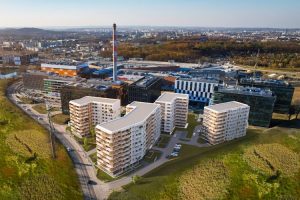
[(52, 129)]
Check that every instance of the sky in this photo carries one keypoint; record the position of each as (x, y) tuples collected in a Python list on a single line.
[(200, 13)]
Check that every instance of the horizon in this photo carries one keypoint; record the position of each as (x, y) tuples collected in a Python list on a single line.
[(176, 13)]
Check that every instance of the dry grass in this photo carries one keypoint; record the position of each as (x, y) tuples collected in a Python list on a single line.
[(270, 159), (28, 142), (205, 181)]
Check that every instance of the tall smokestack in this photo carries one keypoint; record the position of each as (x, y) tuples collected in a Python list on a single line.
[(115, 54)]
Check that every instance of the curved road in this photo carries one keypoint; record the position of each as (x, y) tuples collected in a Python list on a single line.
[(80, 166)]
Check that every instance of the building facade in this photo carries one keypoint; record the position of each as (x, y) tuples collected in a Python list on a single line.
[(123, 142), (174, 111), (34, 81), (63, 69), (225, 121), (146, 89), (261, 102), (200, 90), (87, 112), (284, 92)]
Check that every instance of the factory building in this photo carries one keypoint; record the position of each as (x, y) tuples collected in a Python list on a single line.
[(261, 102), (123, 142), (64, 68), (174, 110), (284, 92), (87, 112), (147, 89), (200, 90), (225, 121)]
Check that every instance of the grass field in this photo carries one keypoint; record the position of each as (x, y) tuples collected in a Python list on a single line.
[(41, 108), (226, 172), (192, 124), (27, 170), (163, 141), (60, 119)]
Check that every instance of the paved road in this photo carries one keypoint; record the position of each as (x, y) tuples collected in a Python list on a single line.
[(81, 167)]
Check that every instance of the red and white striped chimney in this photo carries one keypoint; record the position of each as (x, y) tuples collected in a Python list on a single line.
[(115, 53)]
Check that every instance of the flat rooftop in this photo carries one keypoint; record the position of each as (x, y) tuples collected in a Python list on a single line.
[(138, 115), (198, 79), (223, 107), (146, 81), (266, 82), (169, 96), (253, 91), (88, 99)]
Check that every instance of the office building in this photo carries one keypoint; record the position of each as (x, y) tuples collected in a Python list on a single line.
[(261, 102), (174, 110), (18, 58), (68, 69), (52, 88), (123, 142), (225, 121), (87, 112), (146, 89), (34, 80), (95, 88), (200, 90), (282, 90)]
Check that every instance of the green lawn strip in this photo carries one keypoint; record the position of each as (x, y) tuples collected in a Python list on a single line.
[(26, 167), (93, 157), (192, 121), (104, 176), (152, 155), (91, 142), (60, 119), (163, 141)]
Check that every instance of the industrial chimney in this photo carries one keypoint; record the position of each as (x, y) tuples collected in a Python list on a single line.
[(115, 54)]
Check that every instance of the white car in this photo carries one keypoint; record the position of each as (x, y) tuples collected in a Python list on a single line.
[(174, 154)]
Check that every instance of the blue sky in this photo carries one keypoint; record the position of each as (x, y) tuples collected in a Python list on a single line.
[(203, 13)]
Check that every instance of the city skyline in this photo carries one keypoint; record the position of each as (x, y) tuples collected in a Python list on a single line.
[(232, 13)]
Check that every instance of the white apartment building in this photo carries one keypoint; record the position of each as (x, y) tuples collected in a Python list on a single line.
[(87, 112), (123, 142), (174, 110), (225, 121)]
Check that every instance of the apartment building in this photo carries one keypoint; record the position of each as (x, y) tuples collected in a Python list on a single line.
[(88, 112), (225, 121), (123, 142), (174, 110)]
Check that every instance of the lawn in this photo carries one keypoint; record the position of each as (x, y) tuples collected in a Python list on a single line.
[(90, 142), (163, 141), (26, 100), (104, 177), (192, 121), (27, 170), (93, 157), (60, 119), (225, 171), (152, 155)]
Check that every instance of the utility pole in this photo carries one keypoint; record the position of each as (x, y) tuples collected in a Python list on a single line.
[(52, 129)]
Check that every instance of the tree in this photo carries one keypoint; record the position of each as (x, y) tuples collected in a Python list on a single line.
[(85, 142), (92, 131), (135, 179)]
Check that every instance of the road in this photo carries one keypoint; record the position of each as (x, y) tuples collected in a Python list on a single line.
[(81, 166)]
